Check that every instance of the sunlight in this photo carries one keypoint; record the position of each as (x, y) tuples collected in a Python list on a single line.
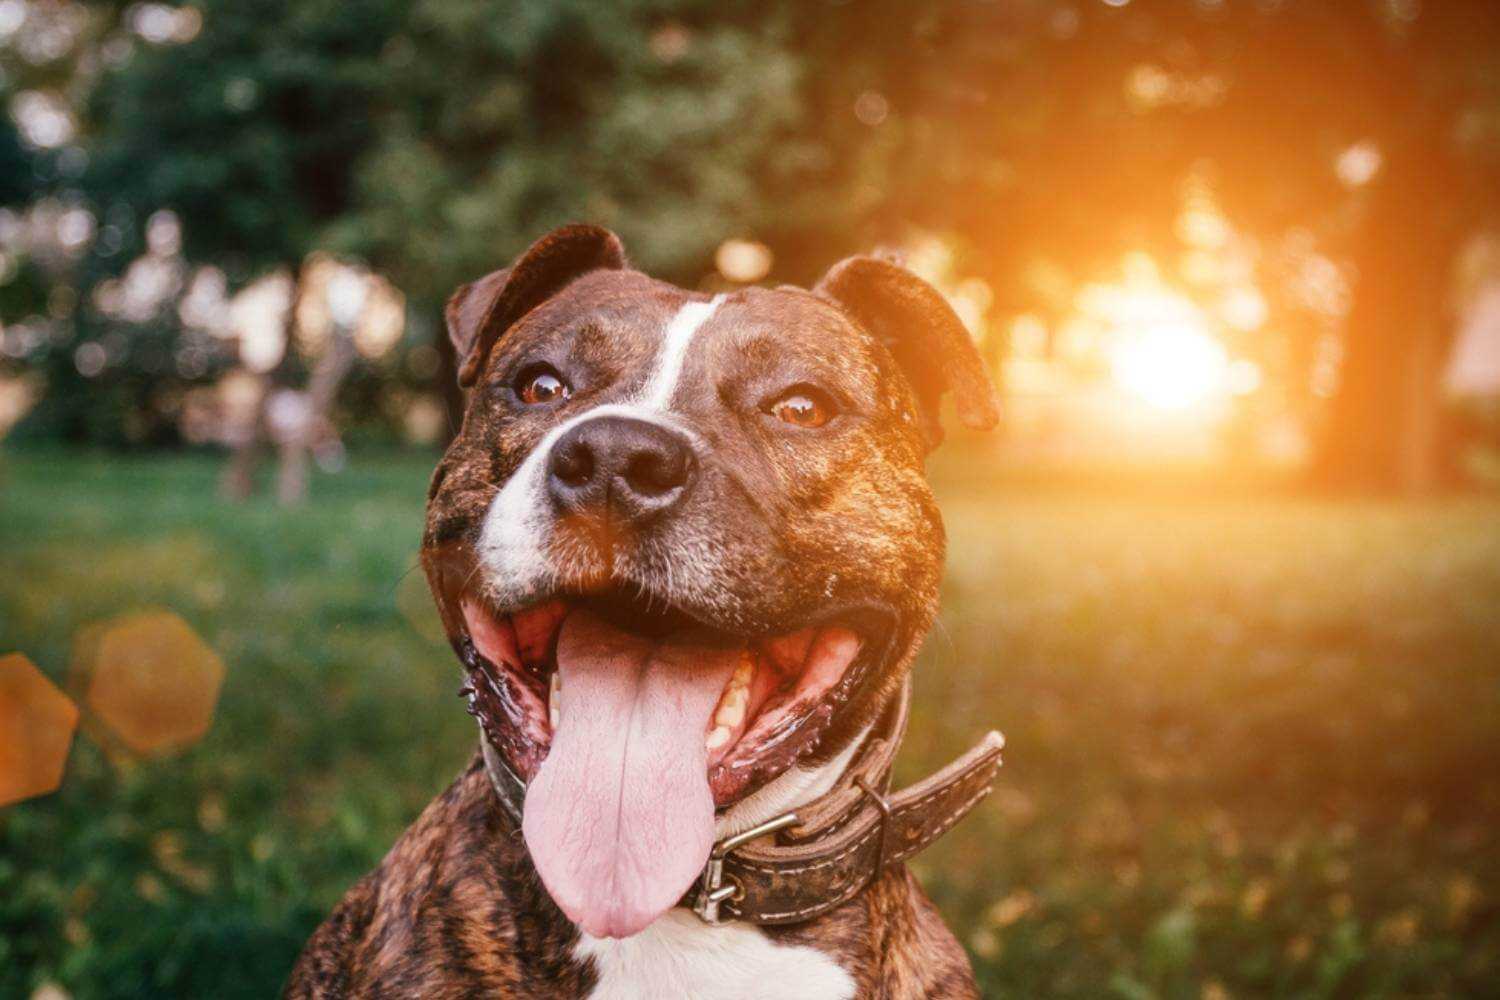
[(1158, 345), (1170, 367)]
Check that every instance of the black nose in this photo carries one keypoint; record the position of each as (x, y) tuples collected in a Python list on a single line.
[(621, 468)]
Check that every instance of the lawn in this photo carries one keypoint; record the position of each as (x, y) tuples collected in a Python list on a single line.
[(1252, 742)]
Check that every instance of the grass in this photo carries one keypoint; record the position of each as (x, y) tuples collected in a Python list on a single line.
[(1252, 742)]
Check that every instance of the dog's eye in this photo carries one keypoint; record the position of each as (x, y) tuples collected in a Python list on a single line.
[(541, 384), (802, 406)]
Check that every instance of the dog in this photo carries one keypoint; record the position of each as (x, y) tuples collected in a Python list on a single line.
[(685, 549)]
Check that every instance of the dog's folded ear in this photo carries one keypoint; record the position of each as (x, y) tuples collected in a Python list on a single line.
[(923, 334), (479, 313)]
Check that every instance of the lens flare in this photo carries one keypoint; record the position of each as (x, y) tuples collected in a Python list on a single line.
[(36, 730), (153, 682)]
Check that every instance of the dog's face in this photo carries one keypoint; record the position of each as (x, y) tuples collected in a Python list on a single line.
[(683, 542)]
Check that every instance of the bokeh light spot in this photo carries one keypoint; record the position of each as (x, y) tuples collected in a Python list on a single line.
[(871, 107), (743, 261), (154, 682), (36, 730), (1358, 165)]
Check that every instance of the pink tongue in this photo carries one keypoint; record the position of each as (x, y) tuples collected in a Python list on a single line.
[(619, 818)]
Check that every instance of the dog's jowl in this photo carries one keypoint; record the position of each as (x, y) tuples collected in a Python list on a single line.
[(685, 551)]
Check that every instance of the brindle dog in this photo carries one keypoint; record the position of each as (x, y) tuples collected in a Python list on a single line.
[(686, 550)]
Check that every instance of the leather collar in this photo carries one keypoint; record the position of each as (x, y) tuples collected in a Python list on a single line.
[(820, 855)]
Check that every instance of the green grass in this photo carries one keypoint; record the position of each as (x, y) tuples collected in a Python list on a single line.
[(1253, 743)]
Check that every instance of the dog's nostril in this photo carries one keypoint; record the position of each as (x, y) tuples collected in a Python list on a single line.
[(620, 468), (573, 463), (654, 471)]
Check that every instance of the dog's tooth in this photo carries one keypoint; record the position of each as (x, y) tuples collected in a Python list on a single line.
[(554, 701), (731, 713), (717, 737), (744, 672), (730, 710)]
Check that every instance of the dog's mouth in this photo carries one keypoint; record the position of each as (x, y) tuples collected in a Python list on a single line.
[(632, 726), (773, 696)]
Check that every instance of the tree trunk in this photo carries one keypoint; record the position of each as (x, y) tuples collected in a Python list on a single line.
[(315, 419), (1384, 426), (291, 473), (1422, 465), (238, 479)]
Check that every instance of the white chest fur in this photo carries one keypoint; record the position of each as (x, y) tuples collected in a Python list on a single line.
[(680, 956)]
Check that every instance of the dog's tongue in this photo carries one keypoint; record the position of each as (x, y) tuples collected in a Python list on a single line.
[(619, 819)]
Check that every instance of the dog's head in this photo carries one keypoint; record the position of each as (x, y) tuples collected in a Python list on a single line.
[(686, 541)]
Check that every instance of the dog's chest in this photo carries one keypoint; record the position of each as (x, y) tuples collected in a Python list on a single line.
[(680, 956)]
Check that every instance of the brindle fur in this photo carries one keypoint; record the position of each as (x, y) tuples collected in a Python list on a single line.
[(456, 909)]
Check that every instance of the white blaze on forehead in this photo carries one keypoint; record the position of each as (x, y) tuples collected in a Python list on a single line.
[(512, 541), (657, 392)]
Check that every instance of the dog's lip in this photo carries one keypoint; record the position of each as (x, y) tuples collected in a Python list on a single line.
[(875, 624), (734, 776), (872, 621)]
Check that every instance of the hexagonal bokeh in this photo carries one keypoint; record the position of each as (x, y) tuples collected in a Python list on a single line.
[(36, 730), (153, 683)]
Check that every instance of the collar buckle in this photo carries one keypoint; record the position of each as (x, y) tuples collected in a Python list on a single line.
[(882, 854), (716, 888)]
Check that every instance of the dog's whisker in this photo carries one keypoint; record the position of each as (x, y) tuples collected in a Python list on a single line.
[(949, 645)]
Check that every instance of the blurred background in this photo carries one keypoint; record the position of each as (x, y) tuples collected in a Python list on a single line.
[(1228, 575)]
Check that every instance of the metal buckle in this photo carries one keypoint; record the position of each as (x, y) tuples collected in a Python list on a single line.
[(717, 888), (885, 824)]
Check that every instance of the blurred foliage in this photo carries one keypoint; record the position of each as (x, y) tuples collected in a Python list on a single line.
[(135, 400), (665, 121), (1250, 742), (1042, 139), (250, 131), (15, 166)]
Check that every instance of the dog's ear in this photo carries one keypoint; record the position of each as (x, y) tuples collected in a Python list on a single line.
[(923, 334), (479, 313)]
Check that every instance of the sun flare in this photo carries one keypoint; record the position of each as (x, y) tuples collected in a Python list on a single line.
[(1158, 345), (1171, 367)]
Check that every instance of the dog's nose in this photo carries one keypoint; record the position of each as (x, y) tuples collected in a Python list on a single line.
[(620, 467)]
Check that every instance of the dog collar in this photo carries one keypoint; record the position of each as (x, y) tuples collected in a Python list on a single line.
[(815, 858)]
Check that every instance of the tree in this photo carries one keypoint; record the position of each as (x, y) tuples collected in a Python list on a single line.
[(249, 131), (1414, 88), (1044, 139), (496, 124), (1012, 127)]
